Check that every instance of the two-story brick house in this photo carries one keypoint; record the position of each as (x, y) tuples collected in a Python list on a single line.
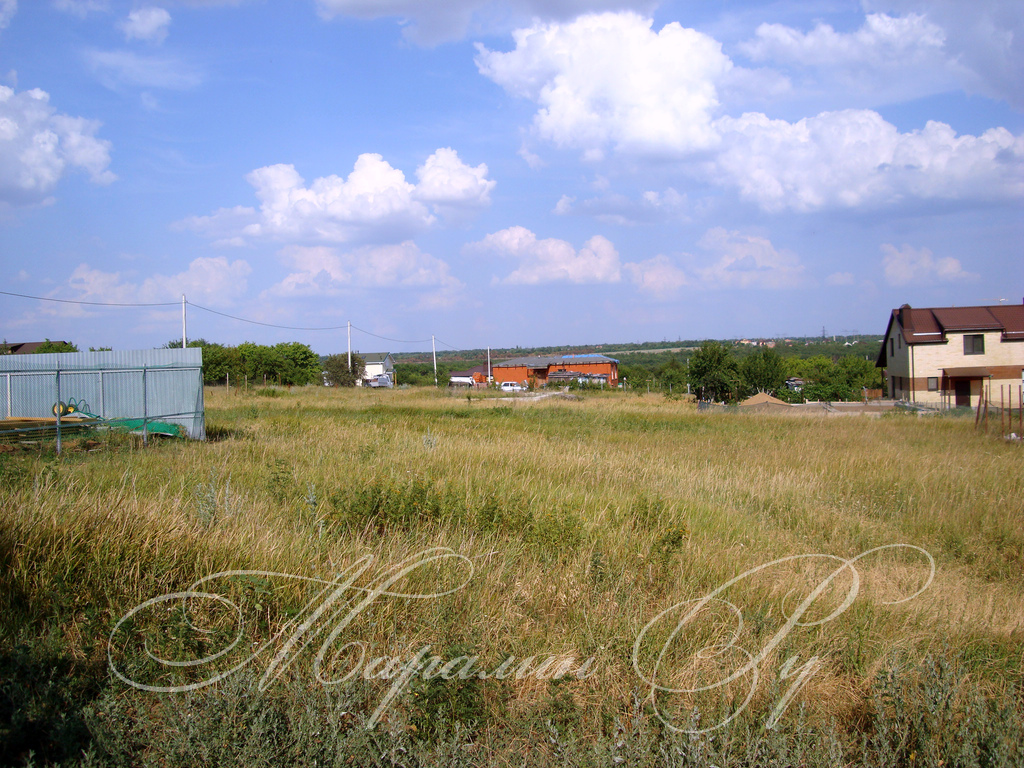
[(949, 356)]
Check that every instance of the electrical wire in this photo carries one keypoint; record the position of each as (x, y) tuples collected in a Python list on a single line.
[(93, 303), (225, 314), (267, 325), (446, 344), (397, 341)]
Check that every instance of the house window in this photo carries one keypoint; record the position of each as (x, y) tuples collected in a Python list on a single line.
[(974, 344), (892, 347), (933, 383)]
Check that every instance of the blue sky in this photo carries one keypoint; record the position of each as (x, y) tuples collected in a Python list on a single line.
[(505, 172)]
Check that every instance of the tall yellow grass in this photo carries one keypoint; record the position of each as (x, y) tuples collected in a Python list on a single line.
[(612, 508)]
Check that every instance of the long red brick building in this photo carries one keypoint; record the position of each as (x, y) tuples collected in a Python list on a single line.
[(539, 371)]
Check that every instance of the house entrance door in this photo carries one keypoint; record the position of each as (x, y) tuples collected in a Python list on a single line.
[(962, 390)]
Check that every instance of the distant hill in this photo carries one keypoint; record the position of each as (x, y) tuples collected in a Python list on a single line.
[(653, 353)]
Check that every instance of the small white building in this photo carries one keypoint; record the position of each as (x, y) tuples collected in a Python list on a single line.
[(377, 364)]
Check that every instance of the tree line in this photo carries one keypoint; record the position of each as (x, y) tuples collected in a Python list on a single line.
[(289, 363), (714, 372)]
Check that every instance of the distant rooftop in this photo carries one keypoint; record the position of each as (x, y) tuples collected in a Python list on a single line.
[(28, 347)]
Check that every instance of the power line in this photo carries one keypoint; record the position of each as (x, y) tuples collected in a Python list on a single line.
[(92, 303), (298, 328), (222, 314), (446, 344), (397, 341), (267, 325)]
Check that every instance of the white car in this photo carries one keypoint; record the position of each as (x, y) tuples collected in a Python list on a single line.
[(382, 380), (512, 386)]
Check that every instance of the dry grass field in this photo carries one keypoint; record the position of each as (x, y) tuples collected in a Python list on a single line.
[(721, 589)]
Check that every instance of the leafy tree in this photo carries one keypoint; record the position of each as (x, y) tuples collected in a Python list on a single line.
[(672, 375), (764, 371), (635, 376), (714, 374), (422, 374), (859, 373), (220, 362), (55, 346), (299, 364), (842, 380), (259, 361), (176, 343), (415, 374), (338, 372)]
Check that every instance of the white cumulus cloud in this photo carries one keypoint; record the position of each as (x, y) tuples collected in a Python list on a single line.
[(38, 145), (611, 83), (610, 80), (208, 280), (984, 37), (658, 276), (890, 58), (451, 185), (741, 260), (747, 261), (908, 265), (855, 158), (150, 24), (375, 203), (323, 270), (375, 195), (552, 260)]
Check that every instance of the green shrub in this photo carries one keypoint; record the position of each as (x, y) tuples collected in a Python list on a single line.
[(439, 707)]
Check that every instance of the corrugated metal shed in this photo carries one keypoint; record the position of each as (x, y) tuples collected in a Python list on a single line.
[(156, 384)]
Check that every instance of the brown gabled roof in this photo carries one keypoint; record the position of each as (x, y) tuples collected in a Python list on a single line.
[(929, 325), (1012, 318), (481, 369), (28, 347)]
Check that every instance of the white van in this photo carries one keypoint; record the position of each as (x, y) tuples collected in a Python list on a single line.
[(512, 386)]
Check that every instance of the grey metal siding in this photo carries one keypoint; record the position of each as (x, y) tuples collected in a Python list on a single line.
[(109, 385)]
